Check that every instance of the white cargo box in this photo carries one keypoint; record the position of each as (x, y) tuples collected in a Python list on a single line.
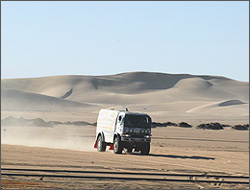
[(106, 120)]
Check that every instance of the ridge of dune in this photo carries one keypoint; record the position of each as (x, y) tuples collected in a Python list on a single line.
[(134, 82), (231, 103), (124, 83), (67, 94), (213, 89), (193, 83), (21, 100), (221, 105), (203, 107), (161, 93)]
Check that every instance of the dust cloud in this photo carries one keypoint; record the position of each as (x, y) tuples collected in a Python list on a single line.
[(80, 138)]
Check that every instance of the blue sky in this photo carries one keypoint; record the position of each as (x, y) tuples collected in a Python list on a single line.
[(102, 38)]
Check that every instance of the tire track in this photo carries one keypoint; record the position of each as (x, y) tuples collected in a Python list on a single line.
[(217, 179)]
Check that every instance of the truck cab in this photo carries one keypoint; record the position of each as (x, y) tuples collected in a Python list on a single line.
[(123, 130)]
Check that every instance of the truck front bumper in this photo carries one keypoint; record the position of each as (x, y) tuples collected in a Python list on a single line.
[(134, 139)]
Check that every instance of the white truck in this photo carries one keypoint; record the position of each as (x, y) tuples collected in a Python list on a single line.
[(123, 130)]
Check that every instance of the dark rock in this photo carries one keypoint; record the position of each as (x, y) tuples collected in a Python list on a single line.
[(55, 122), (213, 126), (156, 124), (185, 125), (94, 124), (241, 127), (231, 103), (225, 125), (170, 124), (40, 122)]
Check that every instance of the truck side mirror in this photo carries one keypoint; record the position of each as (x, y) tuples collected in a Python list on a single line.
[(120, 118)]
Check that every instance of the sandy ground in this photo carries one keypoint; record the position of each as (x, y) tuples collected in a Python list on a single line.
[(165, 97), (173, 150)]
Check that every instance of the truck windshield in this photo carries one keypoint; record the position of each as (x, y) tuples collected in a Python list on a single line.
[(140, 121)]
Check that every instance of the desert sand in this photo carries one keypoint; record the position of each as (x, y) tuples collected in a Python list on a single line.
[(165, 97)]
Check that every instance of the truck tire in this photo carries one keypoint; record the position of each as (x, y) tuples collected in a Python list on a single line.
[(117, 146), (101, 146), (145, 148), (129, 150)]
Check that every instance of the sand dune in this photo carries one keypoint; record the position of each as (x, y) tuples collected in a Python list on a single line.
[(164, 95), (80, 87), (231, 103), (20, 100), (222, 107), (126, 81)]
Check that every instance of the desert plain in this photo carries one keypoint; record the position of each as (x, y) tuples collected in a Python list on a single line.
[(56, 141)]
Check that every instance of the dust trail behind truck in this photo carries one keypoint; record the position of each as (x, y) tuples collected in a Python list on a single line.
[(123, 130)]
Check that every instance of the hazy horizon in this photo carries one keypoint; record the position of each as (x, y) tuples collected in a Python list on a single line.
[(123, 73)]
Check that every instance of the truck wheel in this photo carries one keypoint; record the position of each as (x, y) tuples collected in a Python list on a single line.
[(101, 146), (117, 146), (145, 148), (128, 150)]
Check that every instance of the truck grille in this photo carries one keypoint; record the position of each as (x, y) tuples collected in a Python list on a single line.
[(137, 135)]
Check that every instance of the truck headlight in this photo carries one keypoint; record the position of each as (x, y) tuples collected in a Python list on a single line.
[(148, 131)]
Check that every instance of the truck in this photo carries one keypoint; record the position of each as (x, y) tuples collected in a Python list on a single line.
[(123, 130)]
